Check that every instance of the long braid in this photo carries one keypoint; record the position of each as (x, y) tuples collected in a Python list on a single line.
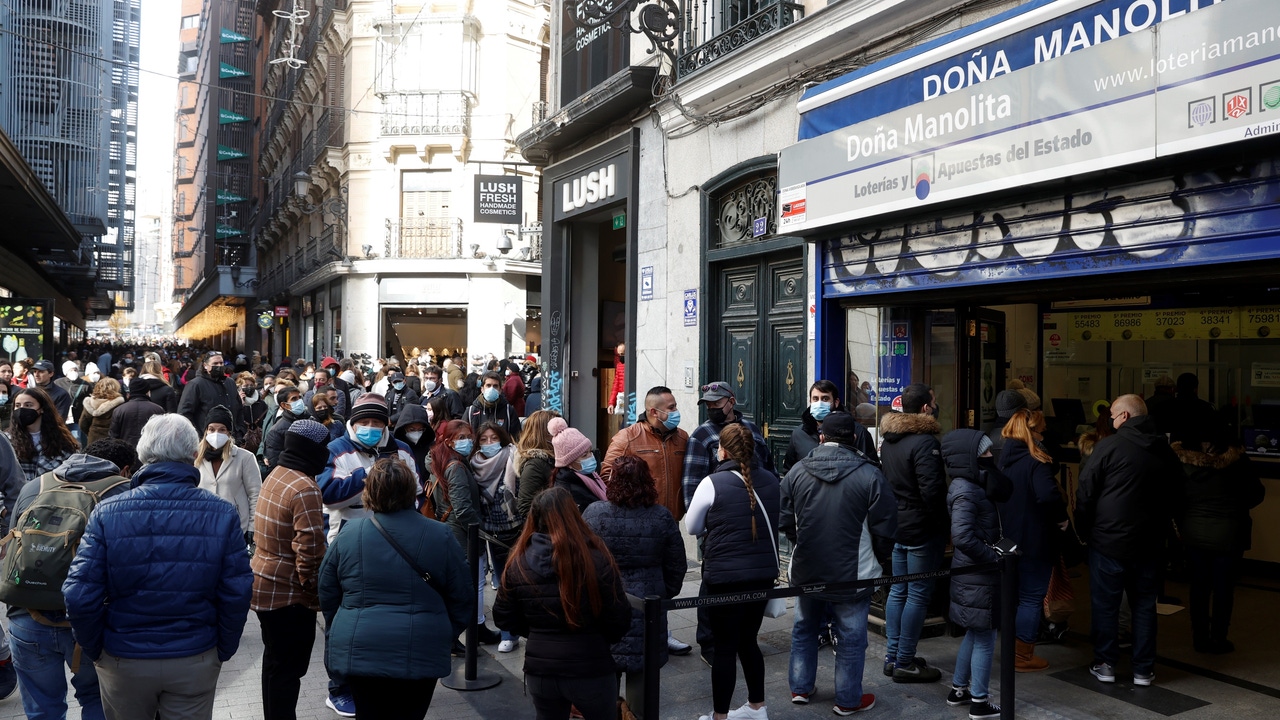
[(740, 446)]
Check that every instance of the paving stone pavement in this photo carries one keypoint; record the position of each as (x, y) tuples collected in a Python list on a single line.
[(1243, 686)]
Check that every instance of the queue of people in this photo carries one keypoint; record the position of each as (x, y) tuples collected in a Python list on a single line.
[(310, 493)]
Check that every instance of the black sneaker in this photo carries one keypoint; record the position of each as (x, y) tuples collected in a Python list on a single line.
[(486, 635), (917, 672), (824, 637), (958, 696), (983, 708), (888, 668)]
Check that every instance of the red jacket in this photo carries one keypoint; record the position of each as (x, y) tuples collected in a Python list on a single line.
[(619, 380), (513, 391)]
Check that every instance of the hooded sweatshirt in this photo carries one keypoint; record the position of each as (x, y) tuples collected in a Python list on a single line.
[(411, 415), (837, 498), (342, 481)]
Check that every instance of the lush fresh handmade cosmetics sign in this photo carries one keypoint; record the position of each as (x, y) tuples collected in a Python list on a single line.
[(1192, 82)]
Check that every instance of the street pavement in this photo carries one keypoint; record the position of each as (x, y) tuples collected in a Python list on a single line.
[(1242, 686)]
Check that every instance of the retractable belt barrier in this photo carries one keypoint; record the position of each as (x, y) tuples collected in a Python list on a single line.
[(646, 705)]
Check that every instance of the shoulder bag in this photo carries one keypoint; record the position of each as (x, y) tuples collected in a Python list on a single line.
[(776, 607), (413, 564)]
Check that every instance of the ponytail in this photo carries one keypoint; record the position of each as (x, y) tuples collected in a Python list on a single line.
[(740, 446)]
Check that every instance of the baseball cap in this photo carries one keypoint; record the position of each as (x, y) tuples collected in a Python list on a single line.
[(715, 391), (839, 426), (43, 365)]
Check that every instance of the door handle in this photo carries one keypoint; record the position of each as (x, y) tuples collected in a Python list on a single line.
[(765, 429)]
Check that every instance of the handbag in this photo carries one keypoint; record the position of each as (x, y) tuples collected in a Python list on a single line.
[(413, 564), (776, 607)]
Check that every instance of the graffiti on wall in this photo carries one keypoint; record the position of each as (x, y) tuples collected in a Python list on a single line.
[(1222, 215), (554, 399)]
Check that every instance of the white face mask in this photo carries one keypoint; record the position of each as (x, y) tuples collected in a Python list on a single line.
[(94, 377), (414, 436), (216, 440), (431, 414), (73, 375)]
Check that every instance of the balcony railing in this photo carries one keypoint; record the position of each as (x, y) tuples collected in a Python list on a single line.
[(715, 28), (426, 113), (419, 237)]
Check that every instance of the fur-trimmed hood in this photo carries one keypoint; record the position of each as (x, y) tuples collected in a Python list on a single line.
[(1206, 460), (520, 457), (98, 407), (894, 426)]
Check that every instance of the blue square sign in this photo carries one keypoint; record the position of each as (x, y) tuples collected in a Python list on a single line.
[(690, 308), (759, 227)]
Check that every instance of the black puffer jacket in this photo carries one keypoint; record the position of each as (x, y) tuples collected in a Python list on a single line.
[(1221, 489), (730, 554), (164, 395), (911, 459), (528, 604), (129, 419), (273, 443), (1130, 490), (975, 527), (1035, 508), (805, 438), (203, 393), (646, 544)]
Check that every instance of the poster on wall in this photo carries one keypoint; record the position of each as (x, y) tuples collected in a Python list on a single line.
[(895, 357), (26, 328)]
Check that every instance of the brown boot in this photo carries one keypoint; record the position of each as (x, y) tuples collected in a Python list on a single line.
[(1025, 659)]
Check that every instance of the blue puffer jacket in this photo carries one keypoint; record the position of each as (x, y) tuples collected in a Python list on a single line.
[(161, 571)]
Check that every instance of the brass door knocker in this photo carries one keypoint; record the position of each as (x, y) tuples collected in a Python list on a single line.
[(791, 375), (741, 376)]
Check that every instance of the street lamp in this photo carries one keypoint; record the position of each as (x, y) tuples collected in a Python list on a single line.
[(335, 206)]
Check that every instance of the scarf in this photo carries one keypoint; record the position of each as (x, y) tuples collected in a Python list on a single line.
[(594, 484), (493, 470)]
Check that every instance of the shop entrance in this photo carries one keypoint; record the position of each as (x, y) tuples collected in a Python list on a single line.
[(759, 346), (438, 328)]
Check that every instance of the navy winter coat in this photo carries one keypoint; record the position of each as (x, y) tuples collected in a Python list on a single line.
[(161, 571), (1036, 505), (975, 527), (646, 544), (384, 621)]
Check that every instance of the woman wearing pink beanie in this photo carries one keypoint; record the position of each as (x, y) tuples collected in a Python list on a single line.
[(575, 464)]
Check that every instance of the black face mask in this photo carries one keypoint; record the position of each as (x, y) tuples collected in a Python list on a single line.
[(323, 414), (717, 416), (26, 416), (622, 359), (218, 372)]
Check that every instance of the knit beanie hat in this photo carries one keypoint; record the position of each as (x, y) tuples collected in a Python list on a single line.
[(311, 430), (1009, 402), (984, 444), (370, 405), (569, 444), (221, 415)]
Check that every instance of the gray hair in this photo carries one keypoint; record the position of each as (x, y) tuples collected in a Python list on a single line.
[(168, 438)]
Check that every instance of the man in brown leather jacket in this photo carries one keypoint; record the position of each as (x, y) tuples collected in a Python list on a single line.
[(658, 440)]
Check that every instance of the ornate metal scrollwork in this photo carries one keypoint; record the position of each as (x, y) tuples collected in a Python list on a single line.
[(741, 207), (658, 20)]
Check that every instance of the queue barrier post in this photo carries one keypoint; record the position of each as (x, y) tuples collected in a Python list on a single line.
[(1008, 631), (468, 677), (654, 639)]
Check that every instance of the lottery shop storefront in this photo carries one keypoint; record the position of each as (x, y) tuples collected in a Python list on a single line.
[(1049, 226)]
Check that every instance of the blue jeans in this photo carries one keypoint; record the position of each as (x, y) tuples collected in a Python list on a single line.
[(41, 655), (973, 662), (851, 649), (1109, 578), (1033, 583), (908, 603)]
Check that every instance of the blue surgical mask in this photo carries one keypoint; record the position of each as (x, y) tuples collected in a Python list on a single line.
[(463, 446), (4, 399), (479, 382), (368, 436), (819, 410), (297, 407), (491, 449), (589, 464), (673, 420), (399, 385), (491, 394)]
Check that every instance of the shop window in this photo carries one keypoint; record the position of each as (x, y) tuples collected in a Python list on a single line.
[(747, 212)]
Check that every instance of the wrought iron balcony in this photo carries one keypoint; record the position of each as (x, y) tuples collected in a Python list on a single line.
[(420, 237), (715, 28), (426, 113)]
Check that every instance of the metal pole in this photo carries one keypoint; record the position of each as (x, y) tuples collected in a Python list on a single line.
[(653, 639), (468, 676), (1008, 633)]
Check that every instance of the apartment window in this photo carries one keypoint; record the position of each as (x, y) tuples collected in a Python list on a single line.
[(425, 194), (182, 203), (182, 166), (192, 62), (184, 95), (190, 21)]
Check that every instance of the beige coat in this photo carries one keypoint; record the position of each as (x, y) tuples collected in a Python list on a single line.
[(238, 482)]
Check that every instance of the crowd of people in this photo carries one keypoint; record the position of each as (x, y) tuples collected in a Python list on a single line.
[(322, 495)]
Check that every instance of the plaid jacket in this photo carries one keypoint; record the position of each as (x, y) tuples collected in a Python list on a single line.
[(700, 456), (288, 531)]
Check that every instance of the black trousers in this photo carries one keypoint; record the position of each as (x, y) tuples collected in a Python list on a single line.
[(595, 697), (734, 629), (288, 635), (1213, 591), (391, 698)]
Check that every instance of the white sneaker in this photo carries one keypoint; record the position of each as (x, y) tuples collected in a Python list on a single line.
[(675, 647), (746, 712), (506, 646)]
